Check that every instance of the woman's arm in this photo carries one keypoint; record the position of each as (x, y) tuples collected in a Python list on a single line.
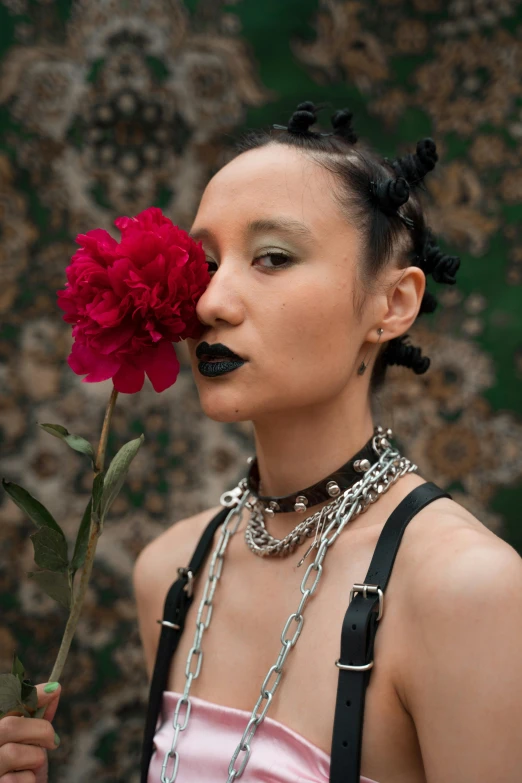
[(462, 680)]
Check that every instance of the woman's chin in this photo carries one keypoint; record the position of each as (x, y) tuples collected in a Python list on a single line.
[(224, 406), (225, 414)]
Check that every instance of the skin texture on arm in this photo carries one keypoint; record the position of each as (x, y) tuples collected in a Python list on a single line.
[(462, 679)]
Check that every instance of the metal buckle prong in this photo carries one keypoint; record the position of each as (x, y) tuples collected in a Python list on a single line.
[(189, 587), (170, 625), (365, 589)]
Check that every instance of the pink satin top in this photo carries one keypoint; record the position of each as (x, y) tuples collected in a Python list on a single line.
[(279, 754)]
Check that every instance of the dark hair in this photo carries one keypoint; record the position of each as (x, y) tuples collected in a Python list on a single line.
[(380, 198)]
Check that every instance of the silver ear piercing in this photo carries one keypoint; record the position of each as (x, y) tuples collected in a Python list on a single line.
[(363, 366)]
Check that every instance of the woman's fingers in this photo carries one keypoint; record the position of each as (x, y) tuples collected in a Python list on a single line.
[(23, 741), (51, 699), (18, 777), (16, 756), (27, 731)]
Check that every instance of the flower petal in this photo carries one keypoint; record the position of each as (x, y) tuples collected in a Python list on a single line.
[(129, 379), (161, 365), (99, 368)]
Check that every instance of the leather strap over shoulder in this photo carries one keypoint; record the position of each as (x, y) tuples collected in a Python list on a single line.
[(360, 625), (177, 603)]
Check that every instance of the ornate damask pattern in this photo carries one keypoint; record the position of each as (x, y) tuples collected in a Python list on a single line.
[(107, 107), (125, 106)]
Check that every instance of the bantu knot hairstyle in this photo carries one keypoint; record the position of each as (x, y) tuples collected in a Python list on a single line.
[(342, 125), (434, 262), (381, 198), (415, 167), (398, 352), (303, 117), (390, 194)]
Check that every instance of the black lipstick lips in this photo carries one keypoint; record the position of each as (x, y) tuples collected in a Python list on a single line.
[(228, 360), (216, 349), (211, 369)]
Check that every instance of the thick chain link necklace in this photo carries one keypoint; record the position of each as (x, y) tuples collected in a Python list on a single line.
[(263, 544), (377, 480)]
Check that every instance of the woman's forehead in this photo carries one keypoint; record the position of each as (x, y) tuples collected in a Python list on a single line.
[(273, 180)]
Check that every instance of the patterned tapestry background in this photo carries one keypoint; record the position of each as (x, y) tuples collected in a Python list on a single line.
[(107, 107)]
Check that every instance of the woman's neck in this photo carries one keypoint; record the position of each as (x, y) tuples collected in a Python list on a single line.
[(300, 447)]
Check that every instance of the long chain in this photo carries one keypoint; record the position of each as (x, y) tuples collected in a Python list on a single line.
[(386, 471)]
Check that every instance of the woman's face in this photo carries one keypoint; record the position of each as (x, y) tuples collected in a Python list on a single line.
[(290, 317)]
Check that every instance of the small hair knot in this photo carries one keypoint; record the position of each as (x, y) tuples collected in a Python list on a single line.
[(342, 125), (390, 194), (302, 118), (427, 154), (415, 167), (442, 267), (410, 356)]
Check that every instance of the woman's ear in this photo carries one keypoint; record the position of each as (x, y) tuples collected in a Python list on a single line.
[(402, 301)]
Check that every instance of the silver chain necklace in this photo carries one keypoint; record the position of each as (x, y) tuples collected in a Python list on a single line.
[(376, 481)]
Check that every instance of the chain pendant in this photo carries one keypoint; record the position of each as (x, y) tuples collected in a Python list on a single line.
[(300, 563)]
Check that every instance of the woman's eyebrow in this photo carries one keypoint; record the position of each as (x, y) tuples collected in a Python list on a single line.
[(286, 224)]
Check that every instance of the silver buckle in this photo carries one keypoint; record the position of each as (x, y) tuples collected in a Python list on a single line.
[(189, 587), (351, 668), (365, 589)]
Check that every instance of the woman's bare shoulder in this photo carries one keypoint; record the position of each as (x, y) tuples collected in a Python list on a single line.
[(171, 549), (460, 621), (448, 552), (155, 570), (451, 566), (445, 537)]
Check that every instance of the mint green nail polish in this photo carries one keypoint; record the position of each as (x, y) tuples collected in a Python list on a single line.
[(51, 687), (56, 739)]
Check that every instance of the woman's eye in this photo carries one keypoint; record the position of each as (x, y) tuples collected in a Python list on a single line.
[(279, 260), (282, 260)]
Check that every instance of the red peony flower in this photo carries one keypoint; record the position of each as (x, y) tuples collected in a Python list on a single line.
[(129, 301)]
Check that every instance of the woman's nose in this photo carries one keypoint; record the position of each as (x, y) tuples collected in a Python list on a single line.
[(220, 302)]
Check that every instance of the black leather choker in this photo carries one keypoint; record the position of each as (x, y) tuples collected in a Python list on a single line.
[(326, 489)]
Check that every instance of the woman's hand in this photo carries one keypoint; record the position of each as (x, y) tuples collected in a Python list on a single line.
[(23, 742)]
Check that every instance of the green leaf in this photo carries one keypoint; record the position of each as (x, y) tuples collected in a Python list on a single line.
[(10, 693), (50, 549), (35, 510), (117, 473), (55, 429), (18, 668), (29, 695), (82, 539), (55, 584), (76, 442), (97, 491)]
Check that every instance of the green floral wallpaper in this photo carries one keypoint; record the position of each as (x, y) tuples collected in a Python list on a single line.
[(108, 107)]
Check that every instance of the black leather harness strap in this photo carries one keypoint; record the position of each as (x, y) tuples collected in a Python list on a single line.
[(177, 604), (360, 625), (357, 637)]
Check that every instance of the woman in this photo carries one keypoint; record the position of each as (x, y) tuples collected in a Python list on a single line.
[(319, 254)]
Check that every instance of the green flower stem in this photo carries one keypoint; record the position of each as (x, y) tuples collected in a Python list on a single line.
[(102, 446), (94, 534)]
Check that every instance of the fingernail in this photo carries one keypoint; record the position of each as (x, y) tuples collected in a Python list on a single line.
[(51, 687), (56, 739)]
